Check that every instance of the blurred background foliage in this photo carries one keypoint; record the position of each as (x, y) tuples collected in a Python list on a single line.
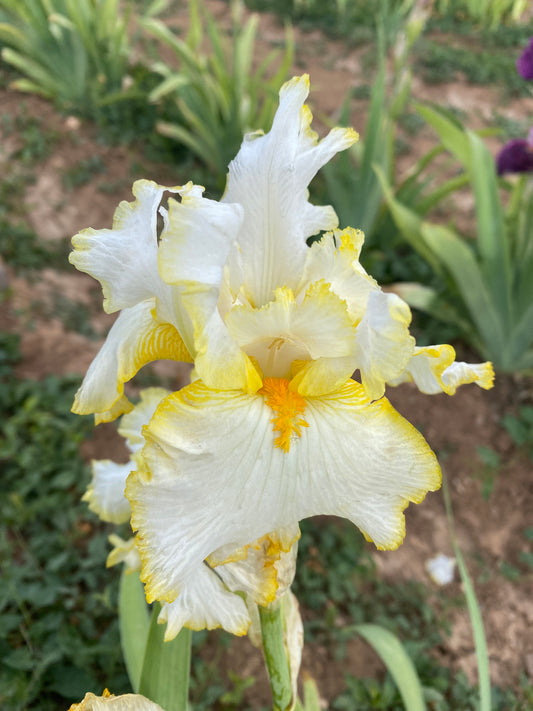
[(187, 97)]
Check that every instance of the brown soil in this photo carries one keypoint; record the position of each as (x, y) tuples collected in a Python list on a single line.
[(490, 532)]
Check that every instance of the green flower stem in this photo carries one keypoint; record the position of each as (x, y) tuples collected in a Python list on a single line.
[(276, 660)]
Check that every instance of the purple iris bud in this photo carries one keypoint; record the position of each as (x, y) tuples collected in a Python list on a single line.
[(516, 156), (524, 63)]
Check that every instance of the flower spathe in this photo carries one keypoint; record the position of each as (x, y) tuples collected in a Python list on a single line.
[(272, 429)]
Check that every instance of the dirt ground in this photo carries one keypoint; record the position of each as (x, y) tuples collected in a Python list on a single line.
[(490, 531)]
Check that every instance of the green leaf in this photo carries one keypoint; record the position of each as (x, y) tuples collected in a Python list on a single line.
[(134, 621), (452, 136), (461, 264), (476, 620), (166, 667), (409, 224), (492, 239), (397, 661)]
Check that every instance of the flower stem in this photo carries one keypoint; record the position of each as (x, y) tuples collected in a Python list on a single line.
[(276, 660)]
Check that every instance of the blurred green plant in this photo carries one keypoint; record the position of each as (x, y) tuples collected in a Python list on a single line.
[(216, 96), (75, 52), (490, 290), (351, 181), (520, 427), (58, 632), (488, 13)]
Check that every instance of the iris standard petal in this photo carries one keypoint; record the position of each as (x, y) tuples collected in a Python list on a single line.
[(136, 338), (315, 326), (269, 178), (195, 245), (335, 259), (223, 468), (124, 258)]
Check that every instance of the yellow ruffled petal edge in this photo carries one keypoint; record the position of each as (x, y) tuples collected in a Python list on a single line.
[(433, 369), (110, 702)]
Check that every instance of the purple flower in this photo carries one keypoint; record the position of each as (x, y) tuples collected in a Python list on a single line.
[(524, 63), (516, 156)]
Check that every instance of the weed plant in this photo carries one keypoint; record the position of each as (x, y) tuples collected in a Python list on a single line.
[(338, 588), (58, 629)]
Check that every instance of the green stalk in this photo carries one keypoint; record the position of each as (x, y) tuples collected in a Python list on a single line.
[(276, 660)]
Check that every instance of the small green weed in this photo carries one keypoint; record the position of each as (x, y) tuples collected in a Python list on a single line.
[(83, 172), (37, 141), (438, 62), (58, 631), (22, 249), (491, 466), (520, 427)]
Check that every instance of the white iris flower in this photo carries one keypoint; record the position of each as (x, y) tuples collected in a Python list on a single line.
[(273, 428)]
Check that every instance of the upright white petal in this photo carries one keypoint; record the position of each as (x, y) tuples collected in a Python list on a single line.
[(194, 249), (269, 178), (124, 258)]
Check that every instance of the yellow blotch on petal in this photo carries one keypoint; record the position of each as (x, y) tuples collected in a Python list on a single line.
[(288, 407)]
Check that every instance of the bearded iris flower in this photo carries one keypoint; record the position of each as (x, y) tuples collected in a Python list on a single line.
[(516, 156), (273, 428)]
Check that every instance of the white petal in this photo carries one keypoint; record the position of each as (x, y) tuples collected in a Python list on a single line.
[(269, 178), (124, 552), (459, 373), (105, 493), (131, 424), (137, 337), (217, 474), (434, 370), (110, 702), (335, 259), (441, 569), (266, 568), (383, 343), (284, 330), (124, 259), (205, 603), (194, 249)]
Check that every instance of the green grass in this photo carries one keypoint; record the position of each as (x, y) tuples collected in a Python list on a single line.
[(58, 629), (338, 587), (439, 61)]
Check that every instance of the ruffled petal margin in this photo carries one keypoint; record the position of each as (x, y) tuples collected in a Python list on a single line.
[(433, 369), (136, 338), (213, 475)]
